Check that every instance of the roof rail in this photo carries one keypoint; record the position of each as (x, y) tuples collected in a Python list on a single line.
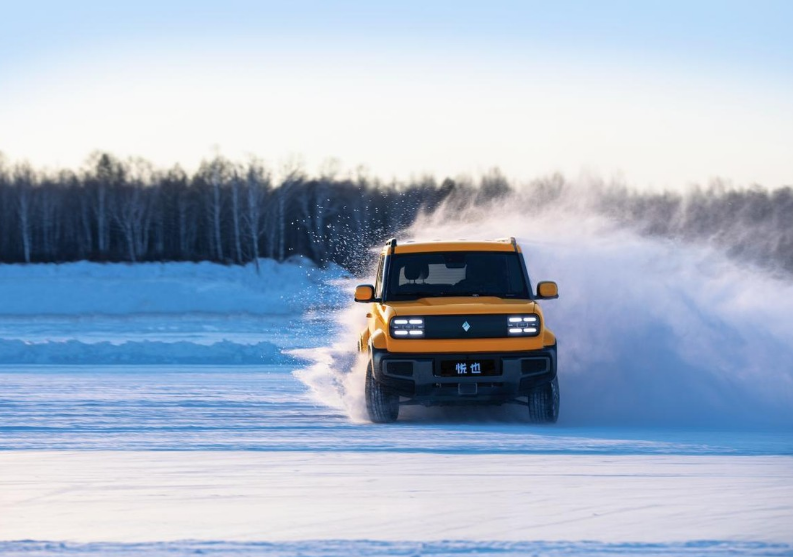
[(391, 244), (514, 242), (511, 240)]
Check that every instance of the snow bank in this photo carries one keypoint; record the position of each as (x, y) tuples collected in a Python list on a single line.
[(119, 288), (149, 313), (139, 352)]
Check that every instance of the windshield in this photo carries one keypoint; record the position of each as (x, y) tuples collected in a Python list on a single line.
[(425, 275)]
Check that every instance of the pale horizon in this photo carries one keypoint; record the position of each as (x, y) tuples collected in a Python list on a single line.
[(656, 97)]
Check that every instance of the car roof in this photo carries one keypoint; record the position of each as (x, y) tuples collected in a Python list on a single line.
[(500, 245)]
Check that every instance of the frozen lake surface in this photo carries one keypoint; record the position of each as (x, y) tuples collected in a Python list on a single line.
[(265, 408), (179, 424), (144, 496), (136, 460)]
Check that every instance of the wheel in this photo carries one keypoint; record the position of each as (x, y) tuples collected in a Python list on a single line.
[(382, 406), (544, 403)]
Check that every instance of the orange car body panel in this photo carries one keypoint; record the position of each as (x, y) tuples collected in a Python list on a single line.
[(380, 314)]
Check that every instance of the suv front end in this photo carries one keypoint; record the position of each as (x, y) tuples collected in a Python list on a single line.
[(456, 323)]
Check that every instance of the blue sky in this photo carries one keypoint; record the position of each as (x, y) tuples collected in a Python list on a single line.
[(660, 94)]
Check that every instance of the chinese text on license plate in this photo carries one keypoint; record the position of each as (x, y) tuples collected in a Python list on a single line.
[(463, 368)]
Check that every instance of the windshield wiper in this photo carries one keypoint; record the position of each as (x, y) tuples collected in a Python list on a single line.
[(418, 295)]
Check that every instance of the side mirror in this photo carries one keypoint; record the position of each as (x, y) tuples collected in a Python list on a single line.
[(364, 293), (547, 290)]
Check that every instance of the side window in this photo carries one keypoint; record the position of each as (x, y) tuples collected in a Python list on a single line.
[(378, 284)]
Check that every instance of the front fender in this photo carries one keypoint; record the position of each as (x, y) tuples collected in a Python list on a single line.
[(378, 340)]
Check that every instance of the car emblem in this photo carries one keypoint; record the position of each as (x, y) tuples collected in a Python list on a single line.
[(466, 326)]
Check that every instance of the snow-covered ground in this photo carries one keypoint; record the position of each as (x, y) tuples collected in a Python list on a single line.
[(176, 313), (217, 460), (373, 548), (198, 409), (137, 497)]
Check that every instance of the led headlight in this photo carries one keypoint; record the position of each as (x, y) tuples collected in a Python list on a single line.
[(523, 325), (407, 327)]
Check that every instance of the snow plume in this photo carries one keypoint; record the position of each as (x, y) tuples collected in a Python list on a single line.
[(336, 374), (651, 331)]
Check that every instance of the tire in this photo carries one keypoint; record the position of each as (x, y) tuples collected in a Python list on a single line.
[(382, 406), (544, 403)]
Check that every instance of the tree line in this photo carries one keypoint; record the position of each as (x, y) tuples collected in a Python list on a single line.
[(127, 211), (752, 225)]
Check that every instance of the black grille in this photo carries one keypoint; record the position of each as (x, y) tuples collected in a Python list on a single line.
[(454, 326), (404, 369), (534, 365)]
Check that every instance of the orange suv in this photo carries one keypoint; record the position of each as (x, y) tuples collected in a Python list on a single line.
[(455, 323)]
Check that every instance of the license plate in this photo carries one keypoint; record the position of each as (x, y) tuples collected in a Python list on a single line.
[(468, 368)]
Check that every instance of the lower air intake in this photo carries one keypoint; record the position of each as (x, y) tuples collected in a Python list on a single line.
[(531, 366)]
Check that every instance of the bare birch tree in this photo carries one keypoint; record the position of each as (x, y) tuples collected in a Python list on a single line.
[(24, 189)]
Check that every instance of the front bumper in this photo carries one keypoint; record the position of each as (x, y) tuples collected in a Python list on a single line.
[(418, 376)]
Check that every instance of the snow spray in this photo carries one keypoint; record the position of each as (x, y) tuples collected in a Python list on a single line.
[(651, 332)]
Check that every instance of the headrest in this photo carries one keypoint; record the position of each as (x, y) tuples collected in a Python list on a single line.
[(416, 270)]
